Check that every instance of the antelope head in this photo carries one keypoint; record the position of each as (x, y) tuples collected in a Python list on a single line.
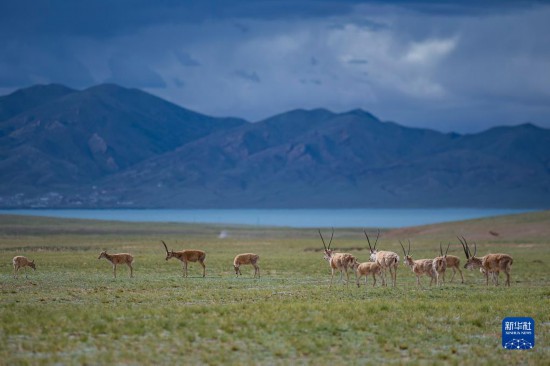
[(32, 265), (328, 251), (169, 253), (472, 261), (103, 254), (373, 250), (407, 254)]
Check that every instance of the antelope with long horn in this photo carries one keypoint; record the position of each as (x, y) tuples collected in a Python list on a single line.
[(21, 262), (186, 256), (440, 265), (120, 258), (420, 266), (490, 264), (337, 261), (385, 259)]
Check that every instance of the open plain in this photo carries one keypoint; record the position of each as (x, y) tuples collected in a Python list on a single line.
[(72, 311)]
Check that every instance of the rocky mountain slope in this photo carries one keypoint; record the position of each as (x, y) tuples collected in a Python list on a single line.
[(109, 146)]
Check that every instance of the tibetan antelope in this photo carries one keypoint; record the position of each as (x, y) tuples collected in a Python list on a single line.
[(186, 256), (247, 258), (439, 265), (491, 264), (21, 262), (366, 269), (453, 262), (337, 261), (385, 259), (419, 266), (120, 258)]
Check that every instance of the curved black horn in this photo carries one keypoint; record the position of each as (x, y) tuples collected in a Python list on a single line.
[(377, 236), (404, 251), (331, 236), (468, 247), (321, 235), (368, 240), (165, 247), (465, 247)]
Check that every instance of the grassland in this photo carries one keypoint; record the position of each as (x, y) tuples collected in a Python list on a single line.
[(71, 310)]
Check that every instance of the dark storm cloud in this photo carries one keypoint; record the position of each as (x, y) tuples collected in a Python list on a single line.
[(106, 18), (449, 65), (132, 73), (44, 61)]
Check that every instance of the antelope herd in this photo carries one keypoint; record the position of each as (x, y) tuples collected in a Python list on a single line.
[(434, 268), (381, 261)]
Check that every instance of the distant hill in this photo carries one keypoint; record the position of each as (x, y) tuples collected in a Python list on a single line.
[(80, 137), (109, 146)]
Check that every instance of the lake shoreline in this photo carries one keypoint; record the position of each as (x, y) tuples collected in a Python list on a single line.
[(292, 218)]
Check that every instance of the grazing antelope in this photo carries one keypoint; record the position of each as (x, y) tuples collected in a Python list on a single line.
[(185, 256), (385, 259), (247, 258), (491, 263), (366, 269), (337, 261), (120, 258), (420, 266), (21, 262), (439, 265)]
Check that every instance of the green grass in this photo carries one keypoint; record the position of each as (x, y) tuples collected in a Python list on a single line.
[(71, 310)]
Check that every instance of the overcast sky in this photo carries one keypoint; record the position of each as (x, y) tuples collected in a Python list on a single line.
[(449, 65)]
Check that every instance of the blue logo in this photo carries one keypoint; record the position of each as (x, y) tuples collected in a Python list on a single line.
[(518, 333)]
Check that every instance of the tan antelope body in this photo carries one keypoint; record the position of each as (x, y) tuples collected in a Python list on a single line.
[(186, 256), (246, 258), (491, 264), (439, 265), (338, 261), (419, 266), (366, 269), (116, 259), (22, 262), (453, 262), (385, 259)]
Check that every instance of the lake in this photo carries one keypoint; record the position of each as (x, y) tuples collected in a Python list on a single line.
[(297, 218)]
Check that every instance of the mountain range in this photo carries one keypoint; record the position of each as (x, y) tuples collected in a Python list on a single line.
[(109, 146)]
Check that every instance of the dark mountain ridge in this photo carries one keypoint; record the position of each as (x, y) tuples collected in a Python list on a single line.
[(109, 146), (83, 136), (28, 98)]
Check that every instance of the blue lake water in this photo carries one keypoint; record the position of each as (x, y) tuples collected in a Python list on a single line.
[(297, 218)]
